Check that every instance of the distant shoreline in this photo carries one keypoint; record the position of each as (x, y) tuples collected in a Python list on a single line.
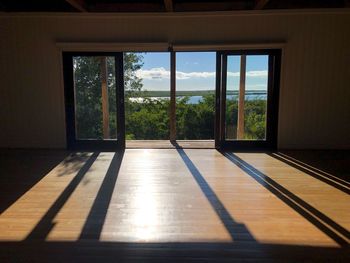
[(190, 93)]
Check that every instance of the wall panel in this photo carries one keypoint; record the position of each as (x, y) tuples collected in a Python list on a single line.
[(315, 89)]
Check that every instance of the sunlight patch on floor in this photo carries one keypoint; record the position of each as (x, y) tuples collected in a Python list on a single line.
[(169, 195), (17, 221)]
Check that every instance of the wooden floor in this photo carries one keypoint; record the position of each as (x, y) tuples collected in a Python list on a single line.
[(166, 144), (171, 205)]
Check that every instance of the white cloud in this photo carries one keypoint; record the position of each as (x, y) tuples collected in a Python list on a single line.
[(252, 73), (189, 75), (162, 73), (233, 74), (154, 73), (257, 73)]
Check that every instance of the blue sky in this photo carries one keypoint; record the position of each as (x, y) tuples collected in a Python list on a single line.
[(196, 71)]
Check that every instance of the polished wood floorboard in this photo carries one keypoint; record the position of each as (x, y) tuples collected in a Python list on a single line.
[(166, 144), (170, 204)]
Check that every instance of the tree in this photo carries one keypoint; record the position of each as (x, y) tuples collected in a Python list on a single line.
[(87, 82), (148, 118), (132, 84)]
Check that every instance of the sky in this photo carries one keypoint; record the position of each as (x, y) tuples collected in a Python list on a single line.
[(196, 71)]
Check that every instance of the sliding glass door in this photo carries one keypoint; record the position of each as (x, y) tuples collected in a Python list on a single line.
[(228, 96), (147, 95), (195, 95), (94, 100), (248, 104)]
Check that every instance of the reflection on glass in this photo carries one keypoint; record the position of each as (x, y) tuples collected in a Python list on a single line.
[(95, 97), (254, 87), (147, 95), (256, 97), (232, 88), (195, 95)]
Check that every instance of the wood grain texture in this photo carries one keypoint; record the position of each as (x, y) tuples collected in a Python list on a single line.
[(152, 204), (167, 144)]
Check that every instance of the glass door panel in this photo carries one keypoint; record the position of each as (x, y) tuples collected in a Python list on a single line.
[(246, 97), (147, 95), (94, 100), (255, 98), (232, 91), (248, 102), (195, 95), (95, 97)]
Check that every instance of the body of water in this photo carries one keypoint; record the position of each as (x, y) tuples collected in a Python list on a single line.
[(197, 99)]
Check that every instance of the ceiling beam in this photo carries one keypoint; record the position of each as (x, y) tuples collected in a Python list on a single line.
[(203, 6), (80, 5), (169, 5), (260, 4), (127, 7)]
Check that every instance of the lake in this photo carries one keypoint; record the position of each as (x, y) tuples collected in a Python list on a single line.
[(197, 99)]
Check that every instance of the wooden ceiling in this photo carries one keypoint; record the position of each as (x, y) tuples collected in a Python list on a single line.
[(162, 5)]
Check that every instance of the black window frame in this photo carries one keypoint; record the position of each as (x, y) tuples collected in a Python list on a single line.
[(270, 143), (274, 71), (93, 144)]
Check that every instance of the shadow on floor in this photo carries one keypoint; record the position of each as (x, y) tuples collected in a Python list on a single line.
[(98, 251), (45, 225), (25, 169), (97, 215), (331, 167), (314, 216), (243, 248), (238, 232)]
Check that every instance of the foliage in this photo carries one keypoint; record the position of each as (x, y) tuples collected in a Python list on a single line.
[(254, 118), (148, 118), (87, 86), (132, 84), (195, 121)]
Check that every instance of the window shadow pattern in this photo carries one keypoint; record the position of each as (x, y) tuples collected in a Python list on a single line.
[(317, 174), (330, 163), (45, 225), (89, 249), (95, 220), (238, 232), (314, 216), (37, 164)]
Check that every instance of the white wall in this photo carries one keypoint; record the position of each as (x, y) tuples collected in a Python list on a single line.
[(315, 89)]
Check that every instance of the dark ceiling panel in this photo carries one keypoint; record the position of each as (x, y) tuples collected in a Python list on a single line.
[(300, 4), (159, 5), (35, 6), (206, 5), (125, 6)]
